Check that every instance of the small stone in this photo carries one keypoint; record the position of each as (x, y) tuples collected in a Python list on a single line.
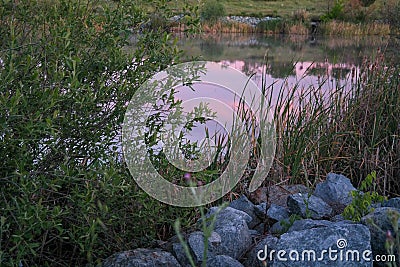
[(277, 213)]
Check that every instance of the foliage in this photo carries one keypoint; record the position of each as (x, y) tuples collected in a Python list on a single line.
[(335, 13), (212, 10), (66, 196), (362, 201)]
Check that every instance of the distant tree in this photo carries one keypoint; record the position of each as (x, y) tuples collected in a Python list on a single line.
[(212, 10)]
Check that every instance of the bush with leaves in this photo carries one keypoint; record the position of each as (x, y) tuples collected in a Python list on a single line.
[(67, 198), (362, 201), (336, 12)]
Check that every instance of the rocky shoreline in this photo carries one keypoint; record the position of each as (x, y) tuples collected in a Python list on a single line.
[(297, 228), (252, 21)]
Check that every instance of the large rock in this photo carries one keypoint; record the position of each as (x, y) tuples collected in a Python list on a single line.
[(141, 257), (231, 225), (235, 239), (196, 242), (379, 222), (312, 247), (243, 204), (335, 191), (308, 206), (223, 261)]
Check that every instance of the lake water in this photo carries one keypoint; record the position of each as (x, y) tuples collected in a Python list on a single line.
[(286, 62), (297, 59), (281, 62)]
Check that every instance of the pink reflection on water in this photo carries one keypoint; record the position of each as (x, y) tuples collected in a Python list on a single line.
[(304, 77)]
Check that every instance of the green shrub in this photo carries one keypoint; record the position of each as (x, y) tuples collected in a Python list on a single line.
[(336, 12), (67, 198), (362, 202), (212, 10)]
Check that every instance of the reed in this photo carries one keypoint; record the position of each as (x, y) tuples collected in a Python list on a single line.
[(353, 131), (351, 29)]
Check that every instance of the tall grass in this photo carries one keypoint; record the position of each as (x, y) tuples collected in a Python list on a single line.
[(344, 28), (352, 131)]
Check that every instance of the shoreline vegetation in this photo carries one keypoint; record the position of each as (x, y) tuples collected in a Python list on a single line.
[(331, 28), (340, 17)]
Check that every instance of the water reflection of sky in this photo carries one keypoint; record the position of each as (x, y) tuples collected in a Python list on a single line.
[(312, 69)]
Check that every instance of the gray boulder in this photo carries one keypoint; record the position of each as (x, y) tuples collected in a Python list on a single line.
[(308, 206), (379, 222), (313, 247), (335, 191), (141, 257), (223, 261), (243, 204), (196, 242), (231, 225), (235, 239)]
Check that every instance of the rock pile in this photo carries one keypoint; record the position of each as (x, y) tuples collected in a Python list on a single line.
[(307, 231)]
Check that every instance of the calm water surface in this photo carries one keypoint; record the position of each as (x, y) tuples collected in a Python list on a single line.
[(295, 60), (286, 62)]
